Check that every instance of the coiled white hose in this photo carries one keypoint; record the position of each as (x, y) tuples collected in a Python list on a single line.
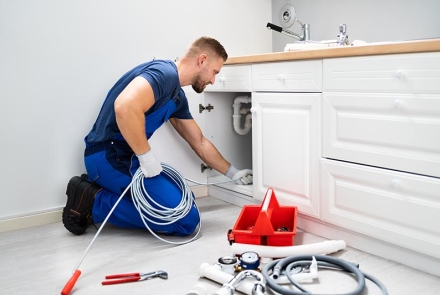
[(148, 208)]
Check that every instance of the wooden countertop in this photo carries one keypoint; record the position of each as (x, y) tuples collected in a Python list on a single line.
[(428, 45)]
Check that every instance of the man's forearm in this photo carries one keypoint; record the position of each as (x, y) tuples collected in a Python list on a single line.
[(211, 156)]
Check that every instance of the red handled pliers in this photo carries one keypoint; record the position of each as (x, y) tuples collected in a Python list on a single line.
[(133, 277)]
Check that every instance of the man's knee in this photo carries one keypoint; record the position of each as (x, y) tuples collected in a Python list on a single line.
[(188, 224)]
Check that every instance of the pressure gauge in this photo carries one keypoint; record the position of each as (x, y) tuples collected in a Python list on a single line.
[(249, 260)]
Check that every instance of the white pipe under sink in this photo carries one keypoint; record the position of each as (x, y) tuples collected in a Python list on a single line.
[(238, 112)]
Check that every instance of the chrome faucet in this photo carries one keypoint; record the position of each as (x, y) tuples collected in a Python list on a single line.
[(305, 31), (343, 37)]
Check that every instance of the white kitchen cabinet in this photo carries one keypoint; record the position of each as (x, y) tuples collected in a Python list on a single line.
[(286, 148), (380, 172), (352, 142)]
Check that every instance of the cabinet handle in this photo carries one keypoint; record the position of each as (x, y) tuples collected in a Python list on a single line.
[(253, 111), (281, 78), (400, 74), (221, 80), (398, 104)]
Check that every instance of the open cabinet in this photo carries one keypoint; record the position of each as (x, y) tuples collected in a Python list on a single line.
[(232, 86), (282, 148)]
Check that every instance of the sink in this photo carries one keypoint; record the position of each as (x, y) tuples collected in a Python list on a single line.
[(310, 45), (306, 45)]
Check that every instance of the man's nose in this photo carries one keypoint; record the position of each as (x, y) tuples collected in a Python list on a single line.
[(212, 81)]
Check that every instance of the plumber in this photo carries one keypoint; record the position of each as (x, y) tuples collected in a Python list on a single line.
[(117, 145)]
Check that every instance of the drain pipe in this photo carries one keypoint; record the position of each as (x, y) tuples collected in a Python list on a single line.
[(229, 288), (238, 112), (325, 247), (214, 273)]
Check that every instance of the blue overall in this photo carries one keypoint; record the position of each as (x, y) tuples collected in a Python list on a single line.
[(112, 164)]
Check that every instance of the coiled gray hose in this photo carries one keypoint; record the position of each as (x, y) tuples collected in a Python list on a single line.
[(276, 267)]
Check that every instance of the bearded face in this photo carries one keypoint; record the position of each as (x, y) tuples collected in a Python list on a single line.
[(199, 83), (207, 73)]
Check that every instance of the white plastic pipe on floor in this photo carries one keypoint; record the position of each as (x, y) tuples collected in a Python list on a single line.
[(325, 247), (214, 273)]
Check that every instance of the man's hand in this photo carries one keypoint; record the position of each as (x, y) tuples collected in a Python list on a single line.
[(244, 176), (150, 165)]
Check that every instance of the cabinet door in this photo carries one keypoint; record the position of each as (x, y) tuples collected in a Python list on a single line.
[(400, 208), (285, 142)]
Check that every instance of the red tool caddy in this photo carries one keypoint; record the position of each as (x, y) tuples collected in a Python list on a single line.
[(268, 224)]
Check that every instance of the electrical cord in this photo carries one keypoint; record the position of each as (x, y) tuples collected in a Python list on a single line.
[(276, 267)]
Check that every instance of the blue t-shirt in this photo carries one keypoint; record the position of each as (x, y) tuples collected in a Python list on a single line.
[(163, 78)]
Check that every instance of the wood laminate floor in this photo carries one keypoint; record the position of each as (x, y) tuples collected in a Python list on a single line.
[(40, 260)]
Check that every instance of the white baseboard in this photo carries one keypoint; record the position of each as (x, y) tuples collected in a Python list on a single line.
[(30, 220), (200, 191), (231, 197), (36, 219)]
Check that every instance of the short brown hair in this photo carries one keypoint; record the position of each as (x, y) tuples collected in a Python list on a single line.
[(210, 44)]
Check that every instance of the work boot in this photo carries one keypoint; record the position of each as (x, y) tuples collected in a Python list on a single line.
[(77, 215)]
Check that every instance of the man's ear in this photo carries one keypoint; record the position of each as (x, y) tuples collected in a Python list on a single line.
[(202, 59)]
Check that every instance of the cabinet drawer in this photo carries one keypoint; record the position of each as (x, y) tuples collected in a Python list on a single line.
[(232, 78), (396, 131), (397, 207), (412, 73), (298, 76)]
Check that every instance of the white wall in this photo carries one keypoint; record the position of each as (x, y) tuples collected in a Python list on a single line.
[(370, 21), (58, 59)]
